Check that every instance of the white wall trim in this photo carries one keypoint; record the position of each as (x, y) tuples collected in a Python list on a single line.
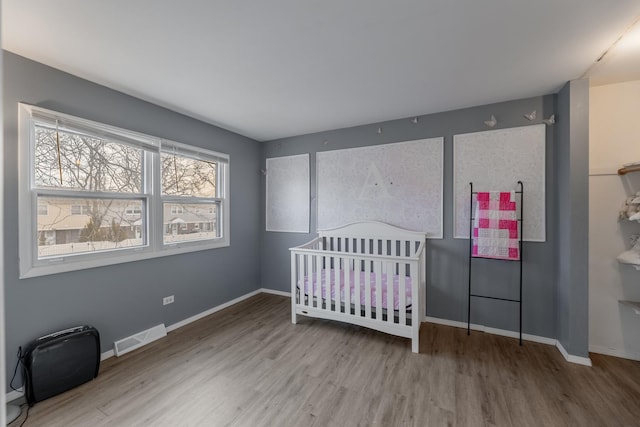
[(107, 355), (211, 311), (14, 395), (614, 352), (274, 292), (571, 358), (493, 331), (527, 337)]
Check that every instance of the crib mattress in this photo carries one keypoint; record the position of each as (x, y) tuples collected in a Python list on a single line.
[(352, 285)]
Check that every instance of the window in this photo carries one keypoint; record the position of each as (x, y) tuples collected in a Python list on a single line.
[(79, 209), (175, 210), (91, 197), (190, 186), (132, 210)]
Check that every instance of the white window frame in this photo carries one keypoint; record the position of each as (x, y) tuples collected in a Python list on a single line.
[(221, 198), (31, 266)]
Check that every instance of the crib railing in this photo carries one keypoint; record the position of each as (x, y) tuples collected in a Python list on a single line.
[(379, 271)]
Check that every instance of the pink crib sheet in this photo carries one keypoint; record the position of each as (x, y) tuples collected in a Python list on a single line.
[(372, 281)]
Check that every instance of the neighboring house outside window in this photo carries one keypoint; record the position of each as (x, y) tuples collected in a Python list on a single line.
[(88, 200), (191, 196)]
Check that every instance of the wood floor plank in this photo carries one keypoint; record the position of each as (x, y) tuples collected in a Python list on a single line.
[(248, 365)]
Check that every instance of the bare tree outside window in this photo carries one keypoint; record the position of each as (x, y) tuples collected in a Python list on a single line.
[(185, 177), (112, 195), (86, 162), (64, 159), (89, 163)]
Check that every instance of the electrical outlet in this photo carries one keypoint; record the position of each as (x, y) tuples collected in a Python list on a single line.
[(167, 300)]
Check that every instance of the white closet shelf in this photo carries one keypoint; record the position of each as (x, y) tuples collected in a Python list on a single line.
[(630, 257), (635, 305)]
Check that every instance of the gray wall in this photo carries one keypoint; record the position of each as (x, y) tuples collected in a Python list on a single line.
[(126, 298), (447, 258), (572, 224)]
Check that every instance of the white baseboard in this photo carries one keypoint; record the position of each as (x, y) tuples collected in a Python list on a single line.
[(613, 352), (527, 337), (274, 292), (571, 358), (493, 331), (106, 355), (211, 311), (14, 395)]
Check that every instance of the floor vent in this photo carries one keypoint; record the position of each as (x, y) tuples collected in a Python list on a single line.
[(128, 344)]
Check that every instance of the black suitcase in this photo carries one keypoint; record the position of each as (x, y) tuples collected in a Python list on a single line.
[(60, 361)]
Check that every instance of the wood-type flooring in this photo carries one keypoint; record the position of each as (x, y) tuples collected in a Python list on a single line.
[(247, 365)]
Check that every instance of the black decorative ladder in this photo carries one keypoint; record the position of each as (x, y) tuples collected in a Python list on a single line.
[(521, 232)]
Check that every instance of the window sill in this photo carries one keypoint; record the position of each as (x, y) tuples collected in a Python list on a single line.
[(74, 264)]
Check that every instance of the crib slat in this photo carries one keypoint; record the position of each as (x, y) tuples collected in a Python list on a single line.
[(390, 306), (335, 285), (354, 300), (326, 270), (356, 285), (378, 273), (367, 288), (313, 294), (347, 285), (415, 299), (310, 279), (341, 283), (319, 273), (402, 293), (306, 274)]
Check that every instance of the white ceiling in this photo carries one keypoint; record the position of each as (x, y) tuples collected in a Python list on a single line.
[(277, 68)]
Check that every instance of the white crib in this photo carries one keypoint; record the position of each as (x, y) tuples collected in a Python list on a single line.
[(367, 273)]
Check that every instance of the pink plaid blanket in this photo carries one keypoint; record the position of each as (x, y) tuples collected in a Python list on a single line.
[(495, 226)]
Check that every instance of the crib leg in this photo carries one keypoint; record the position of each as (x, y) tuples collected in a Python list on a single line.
[(415, 339), (293, 310)]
